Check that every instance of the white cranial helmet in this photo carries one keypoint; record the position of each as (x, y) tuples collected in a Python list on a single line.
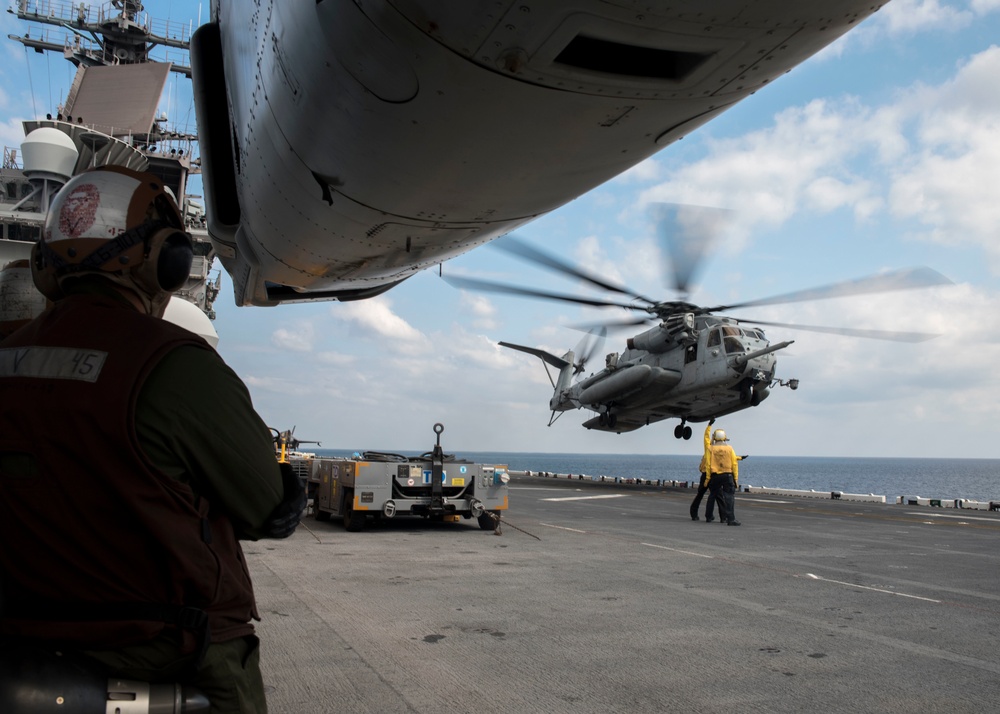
[(120, 224)]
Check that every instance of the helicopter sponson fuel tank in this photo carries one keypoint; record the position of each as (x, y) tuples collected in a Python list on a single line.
[(625, 382)]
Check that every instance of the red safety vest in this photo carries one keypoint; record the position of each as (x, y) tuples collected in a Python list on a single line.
[(97, 547)]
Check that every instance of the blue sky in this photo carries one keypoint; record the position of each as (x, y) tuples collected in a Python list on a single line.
[(881, 152)]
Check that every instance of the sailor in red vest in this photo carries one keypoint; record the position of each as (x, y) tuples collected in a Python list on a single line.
[(131, 458)]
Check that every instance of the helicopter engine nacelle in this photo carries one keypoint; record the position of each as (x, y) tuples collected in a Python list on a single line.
[(666, 335)]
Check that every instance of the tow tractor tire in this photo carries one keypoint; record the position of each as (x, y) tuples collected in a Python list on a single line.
[(320, 515), (353, 520), (487, 522)]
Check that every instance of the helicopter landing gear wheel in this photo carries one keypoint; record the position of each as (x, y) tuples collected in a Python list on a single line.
[(612, 420), (686, 433), (679, 431)]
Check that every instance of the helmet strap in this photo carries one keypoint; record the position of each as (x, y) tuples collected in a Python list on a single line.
[(107, 251), (139, 278)]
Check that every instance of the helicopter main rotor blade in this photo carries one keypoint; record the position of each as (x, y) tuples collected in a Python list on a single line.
[(906, 279), (889, 335), (688, 233), (491, 287), (617, 325), (517, 247)]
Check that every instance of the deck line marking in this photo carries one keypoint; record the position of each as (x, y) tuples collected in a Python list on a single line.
[(678, 550), (537, 488), (562, 528), (586, 498), (948, 515), (867, 587)]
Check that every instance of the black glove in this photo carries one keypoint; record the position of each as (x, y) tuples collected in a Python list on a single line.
[(284, 519), (711, 421), (745, 457)]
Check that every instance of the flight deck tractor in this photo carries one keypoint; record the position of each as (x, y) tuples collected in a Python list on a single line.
[(375, 485)]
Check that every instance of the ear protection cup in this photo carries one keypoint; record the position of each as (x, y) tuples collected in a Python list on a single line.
[(168, 263), (173, 266)]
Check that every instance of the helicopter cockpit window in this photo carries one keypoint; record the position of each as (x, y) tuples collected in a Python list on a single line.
[(715, 338), (733, 345)]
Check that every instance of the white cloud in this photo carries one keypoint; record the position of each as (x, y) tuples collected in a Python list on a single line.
[(939, 375), (826, 194), (932, 154), (912, 16), (643, 172), (594, 260), (12, 134), (482, 309), (335, 359), (279, 385), (297, 336), (766, 174), (375, 317), (949, 183)]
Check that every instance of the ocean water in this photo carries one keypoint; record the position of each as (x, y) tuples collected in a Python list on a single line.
[(975, 479)]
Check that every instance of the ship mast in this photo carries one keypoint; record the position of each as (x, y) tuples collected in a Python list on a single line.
[(100, 37)]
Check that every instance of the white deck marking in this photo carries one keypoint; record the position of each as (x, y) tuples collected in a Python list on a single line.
[(562, 528), (678, 550), (536, 488), (948, 515), (586, 498), (866, 587)]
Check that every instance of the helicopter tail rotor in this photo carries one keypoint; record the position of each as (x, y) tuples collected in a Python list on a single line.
[(591, 343)]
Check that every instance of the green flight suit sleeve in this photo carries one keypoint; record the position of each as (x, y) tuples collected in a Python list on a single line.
[(195, 421)]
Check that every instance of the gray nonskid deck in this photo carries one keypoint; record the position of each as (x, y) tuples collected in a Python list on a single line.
[(625, 604)]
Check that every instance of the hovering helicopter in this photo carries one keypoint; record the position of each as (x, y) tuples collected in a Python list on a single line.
[(693, 364)]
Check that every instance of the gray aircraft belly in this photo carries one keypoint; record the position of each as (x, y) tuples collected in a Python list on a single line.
[(374, 141)]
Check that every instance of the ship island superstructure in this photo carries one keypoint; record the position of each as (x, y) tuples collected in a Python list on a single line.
[(108, 117)]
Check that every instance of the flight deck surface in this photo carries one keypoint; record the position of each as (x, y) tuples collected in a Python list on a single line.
[(626, 604)]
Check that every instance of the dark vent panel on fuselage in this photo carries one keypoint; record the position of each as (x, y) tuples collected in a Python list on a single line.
[(596, 55)]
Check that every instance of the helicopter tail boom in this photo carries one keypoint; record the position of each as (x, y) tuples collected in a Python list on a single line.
[(547, 357), (566, 368)]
